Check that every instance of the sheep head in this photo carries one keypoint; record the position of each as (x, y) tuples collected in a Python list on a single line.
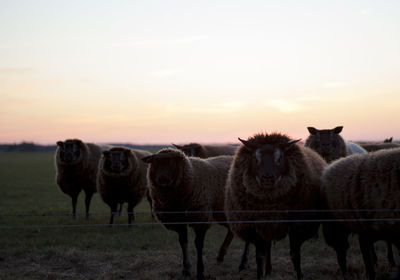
[(165, 167), (116, 160), (268, 163), (70, 150), (326, 140)]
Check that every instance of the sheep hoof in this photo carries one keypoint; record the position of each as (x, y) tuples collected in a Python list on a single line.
[(220, 259), (186, 273), (243, 266)]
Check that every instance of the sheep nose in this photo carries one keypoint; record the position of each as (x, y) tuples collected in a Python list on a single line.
[(163, 180), (267, 179), (68, 157)]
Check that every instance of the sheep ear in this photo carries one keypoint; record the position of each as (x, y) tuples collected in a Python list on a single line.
[(148, 159), (312, 130), (177, 146), (249, 146), (289, 145), (337, 129), (60, 143)]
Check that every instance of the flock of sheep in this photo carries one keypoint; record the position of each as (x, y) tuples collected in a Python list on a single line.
[(267, 188)]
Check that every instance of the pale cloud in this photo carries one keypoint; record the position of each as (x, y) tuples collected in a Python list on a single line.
[(364, 12), (333, 84), (285, 106), (160, 42)]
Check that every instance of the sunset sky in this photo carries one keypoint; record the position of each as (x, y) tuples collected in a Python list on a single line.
[(162, 71)]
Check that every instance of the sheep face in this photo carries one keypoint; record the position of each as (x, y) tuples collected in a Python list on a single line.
[(326, 140), (116, 161), (70, 150), (191, 150), (268, 163), (164, 168)]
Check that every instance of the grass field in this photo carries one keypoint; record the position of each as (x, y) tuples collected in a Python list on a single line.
[(54, 246)]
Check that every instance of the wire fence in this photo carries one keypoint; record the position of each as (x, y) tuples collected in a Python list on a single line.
[(316, 219), (185, 212)]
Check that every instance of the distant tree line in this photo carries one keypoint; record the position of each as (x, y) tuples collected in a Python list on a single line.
[(32, 147)]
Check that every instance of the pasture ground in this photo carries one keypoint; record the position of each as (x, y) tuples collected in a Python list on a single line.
[(49, 244)]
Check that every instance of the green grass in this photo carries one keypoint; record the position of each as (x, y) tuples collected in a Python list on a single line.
[(79, 251)]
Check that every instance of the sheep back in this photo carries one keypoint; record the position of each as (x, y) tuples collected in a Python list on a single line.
[(297, 190), (364, 181), (371, 147), (353, 148), (205, 151)]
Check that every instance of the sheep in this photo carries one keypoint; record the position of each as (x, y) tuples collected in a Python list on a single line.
[(271, 173), (76, 166), (122, 178), (191, 185), (388, 140), (362, 182), (205, 151), (371, 147), (330, 145)]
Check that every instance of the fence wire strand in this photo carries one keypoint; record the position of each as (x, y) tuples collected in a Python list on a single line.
[(283, 211), (189, 223)]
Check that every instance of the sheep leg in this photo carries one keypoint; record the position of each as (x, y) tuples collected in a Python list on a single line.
[(120, 209), (199, 242), (263, 258), (268, 265), (183, 241), (74, 202), (88, 198), (224, 246), (389, 254), (245, 257), (396, 274), (336, 236), (367, 251), (131, 214), (113, 208), (295, 241), (151, 204)]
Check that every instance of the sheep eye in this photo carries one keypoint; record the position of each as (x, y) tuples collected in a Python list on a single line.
[(278, 157)]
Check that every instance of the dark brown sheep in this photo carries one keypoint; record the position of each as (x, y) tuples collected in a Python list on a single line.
[(330, 145), (76, 166), (122, 178), (362, 182), (192, 188), (372, 147), (271, 172), (206, 151)]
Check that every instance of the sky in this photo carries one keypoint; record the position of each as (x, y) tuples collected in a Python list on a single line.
[(210, 71)]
